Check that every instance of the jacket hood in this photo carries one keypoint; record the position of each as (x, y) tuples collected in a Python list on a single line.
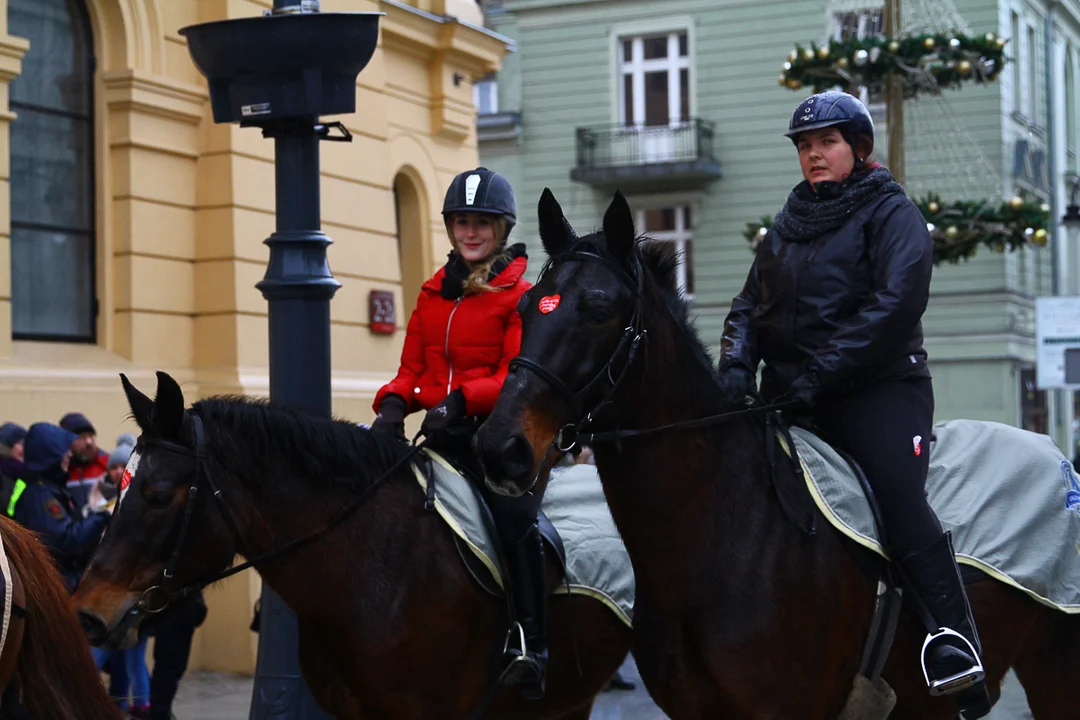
[(45, 447)]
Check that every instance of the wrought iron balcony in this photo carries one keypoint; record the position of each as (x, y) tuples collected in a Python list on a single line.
[(635, 157)]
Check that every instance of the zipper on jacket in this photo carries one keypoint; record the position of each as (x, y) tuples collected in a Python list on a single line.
[(449, 320)]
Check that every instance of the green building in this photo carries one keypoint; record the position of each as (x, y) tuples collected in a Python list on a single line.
[(677, 104)]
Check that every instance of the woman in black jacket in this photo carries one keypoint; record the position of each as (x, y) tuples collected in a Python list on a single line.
[(833, 306)]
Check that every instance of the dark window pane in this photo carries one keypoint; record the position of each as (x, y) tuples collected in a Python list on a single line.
[(56, 70), (627, 50), (683, 45), (656, 48), (51, 283), (51, 171), (684, 93), (688, 263), (660, 220), (689, 217), (656, 99), (628, 100)]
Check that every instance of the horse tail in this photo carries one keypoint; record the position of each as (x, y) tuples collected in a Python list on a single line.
[(57, 673)]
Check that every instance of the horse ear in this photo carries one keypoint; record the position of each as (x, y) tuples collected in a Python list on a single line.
[(619, 226), (168, 407), (142, 407), (555, 230)]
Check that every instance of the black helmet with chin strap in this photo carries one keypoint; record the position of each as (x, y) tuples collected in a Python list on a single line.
[(481, 191), (832, 108)]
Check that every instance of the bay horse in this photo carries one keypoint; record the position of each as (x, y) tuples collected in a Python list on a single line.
[(739, 614), (391, 623), (46, 664)]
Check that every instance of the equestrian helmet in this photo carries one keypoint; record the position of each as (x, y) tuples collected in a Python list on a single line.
[(828, 109), (482, 191)]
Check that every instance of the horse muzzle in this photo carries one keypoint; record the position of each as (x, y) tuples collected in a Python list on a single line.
[(508, 462)]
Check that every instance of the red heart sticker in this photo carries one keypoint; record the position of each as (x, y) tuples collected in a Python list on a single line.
[(549, 303)]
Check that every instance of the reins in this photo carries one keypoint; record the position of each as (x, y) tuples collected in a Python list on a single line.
[(165, 597)]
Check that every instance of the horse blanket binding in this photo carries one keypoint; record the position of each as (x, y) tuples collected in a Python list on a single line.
[(597, 563), (9, 589), (1009, 496)]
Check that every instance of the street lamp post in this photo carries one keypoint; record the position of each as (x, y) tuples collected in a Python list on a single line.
[(280, 72)]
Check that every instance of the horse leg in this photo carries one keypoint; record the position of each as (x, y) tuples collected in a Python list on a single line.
[(1049, 663)]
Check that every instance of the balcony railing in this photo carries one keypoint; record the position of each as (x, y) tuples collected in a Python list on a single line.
[(678, 154)]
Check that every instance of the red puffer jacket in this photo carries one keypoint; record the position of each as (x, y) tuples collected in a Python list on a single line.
[(465, 344)]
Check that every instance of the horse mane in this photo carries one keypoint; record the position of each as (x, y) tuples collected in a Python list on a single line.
[(283, 441)]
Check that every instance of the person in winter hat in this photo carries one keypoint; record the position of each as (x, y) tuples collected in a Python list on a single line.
[(460, 340), (48, 509), (12, 468), (832, 306), (88, 461)]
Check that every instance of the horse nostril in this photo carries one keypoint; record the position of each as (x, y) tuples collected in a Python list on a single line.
[(517, 458), (93, 625)]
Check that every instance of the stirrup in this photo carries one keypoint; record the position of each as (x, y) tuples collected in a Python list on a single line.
[(957, 681)]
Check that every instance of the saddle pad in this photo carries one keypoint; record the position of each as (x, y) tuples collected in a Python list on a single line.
[(597, 563), (1002, 491)]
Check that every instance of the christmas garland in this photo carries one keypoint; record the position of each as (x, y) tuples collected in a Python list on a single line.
[(928, 63), (959, 227)]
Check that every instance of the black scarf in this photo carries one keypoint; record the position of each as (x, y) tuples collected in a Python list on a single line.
[(457, 270), (808, 215)]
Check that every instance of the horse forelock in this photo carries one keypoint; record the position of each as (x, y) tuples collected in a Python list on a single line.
[(281, 447)]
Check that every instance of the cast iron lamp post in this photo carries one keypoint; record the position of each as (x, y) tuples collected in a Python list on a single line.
[(280, 72)]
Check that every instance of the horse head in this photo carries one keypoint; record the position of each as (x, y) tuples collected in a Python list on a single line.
[(581, 325), (158, 540)]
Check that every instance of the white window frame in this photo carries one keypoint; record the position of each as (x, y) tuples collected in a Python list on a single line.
[(679, 236), (489, 87), (637, 67), (637, 31)]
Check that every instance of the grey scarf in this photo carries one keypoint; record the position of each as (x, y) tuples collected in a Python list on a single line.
[(808, 215)]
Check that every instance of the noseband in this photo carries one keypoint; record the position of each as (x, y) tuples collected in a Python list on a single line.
[(633, 336)]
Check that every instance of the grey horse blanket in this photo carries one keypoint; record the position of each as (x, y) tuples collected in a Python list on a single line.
[(1009, 496), (597, 563)]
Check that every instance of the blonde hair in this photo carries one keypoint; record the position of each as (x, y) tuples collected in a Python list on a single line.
[(478, 276)]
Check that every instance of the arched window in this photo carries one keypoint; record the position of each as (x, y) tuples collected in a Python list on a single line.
[(52, 174), (409, 206)]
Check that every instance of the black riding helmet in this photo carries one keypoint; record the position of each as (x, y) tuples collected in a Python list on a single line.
[(833, 108), (481, 191)]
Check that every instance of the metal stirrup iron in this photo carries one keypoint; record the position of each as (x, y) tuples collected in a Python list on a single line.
[(958, 681)]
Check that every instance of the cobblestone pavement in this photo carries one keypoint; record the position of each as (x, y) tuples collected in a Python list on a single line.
[(214, 696)]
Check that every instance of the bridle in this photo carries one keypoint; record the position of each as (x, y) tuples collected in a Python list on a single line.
[(156, 598), (571, 436), (633, 337)]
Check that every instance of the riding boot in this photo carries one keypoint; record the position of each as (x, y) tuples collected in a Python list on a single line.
[(525, 656), (951, 656)]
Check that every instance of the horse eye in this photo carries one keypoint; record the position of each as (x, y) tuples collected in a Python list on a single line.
[(160, 499)]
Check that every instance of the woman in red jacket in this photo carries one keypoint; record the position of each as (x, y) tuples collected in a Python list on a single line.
[(461, 338)]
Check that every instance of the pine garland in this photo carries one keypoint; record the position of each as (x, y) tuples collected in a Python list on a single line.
[(960, 227), (928, 63)]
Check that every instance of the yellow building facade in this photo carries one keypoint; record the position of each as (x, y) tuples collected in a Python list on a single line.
[(132, 226)]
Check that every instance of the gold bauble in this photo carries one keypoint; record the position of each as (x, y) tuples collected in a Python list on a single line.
[(933, 208), (951, 232), (1040, 237), (964, 67), (1016, 202), (842, 63), (823, 52), (786, 66), (794, 84), (762, 231), (808, 54), (1045, 208), (783, 81), (990, 37), (793, 55), (1000, 42), (929, 43), (894, 46)]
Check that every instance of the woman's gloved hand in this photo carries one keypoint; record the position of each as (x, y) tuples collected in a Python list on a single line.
[(737, 382), (443, 415), (391, 418)]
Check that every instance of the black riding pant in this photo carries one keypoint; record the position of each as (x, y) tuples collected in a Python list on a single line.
[(886, 429), (514, 517)]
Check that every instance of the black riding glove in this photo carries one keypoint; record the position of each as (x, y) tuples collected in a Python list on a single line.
[(443, 415), (805, 392), (391, 417), (737, 382)]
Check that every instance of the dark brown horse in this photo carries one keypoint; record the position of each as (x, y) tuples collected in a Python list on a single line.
[(45, 651), (738, 613), (391, 623)]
